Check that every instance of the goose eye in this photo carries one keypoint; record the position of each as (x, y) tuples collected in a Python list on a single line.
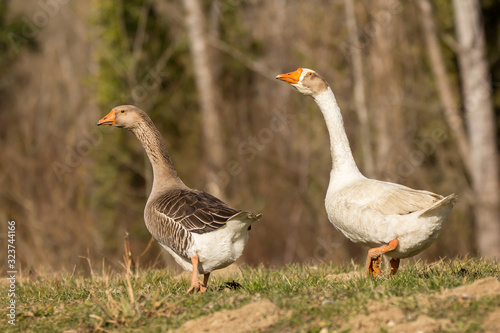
[(310, 73), (122, 111)]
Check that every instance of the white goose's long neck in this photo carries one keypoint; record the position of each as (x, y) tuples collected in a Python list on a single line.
[(342, 160)]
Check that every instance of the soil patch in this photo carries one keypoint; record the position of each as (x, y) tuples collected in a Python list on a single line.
[(254, 316), (478, 289), (387, 316), (492, 322)]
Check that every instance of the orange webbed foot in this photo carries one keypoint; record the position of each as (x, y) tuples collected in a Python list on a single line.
[(197, 286), (373, 265), (374, 258)]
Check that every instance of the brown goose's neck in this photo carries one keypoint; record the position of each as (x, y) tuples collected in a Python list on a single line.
[(164, 173)]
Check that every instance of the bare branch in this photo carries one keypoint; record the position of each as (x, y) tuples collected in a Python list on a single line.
[(448, 100), (359, 91)]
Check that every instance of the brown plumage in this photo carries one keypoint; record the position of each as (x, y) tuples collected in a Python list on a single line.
[(201, 232), (172, 216)]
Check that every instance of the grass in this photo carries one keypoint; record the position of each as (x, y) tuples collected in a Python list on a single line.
[(308, 298)]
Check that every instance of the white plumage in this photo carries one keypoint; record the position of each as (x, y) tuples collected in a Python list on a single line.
[(217, 249), (390, 218)]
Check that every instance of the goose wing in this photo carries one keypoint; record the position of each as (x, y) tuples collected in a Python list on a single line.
[(387, 198), (394, 199), (195, 211)]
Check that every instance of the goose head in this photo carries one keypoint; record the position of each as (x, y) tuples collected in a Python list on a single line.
[(305, 81), (125, 116)]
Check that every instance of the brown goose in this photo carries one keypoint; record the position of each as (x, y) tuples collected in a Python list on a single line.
[(200, 231)]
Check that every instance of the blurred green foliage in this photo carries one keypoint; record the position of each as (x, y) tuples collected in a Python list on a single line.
[(12, 40)]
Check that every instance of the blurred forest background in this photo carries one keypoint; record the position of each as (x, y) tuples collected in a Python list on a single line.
[(417, 82)]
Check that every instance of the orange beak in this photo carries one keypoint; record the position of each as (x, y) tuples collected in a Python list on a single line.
[(109, 119), (292, 77)]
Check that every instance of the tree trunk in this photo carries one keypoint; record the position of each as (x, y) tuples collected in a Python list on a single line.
[(476, 89), (386, 93), (444, 87), (359, 89), (213, 149)]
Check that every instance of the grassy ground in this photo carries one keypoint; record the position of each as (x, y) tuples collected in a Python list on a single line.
[(308, 298)]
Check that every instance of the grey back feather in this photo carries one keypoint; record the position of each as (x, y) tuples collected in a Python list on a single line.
[(173, 216)]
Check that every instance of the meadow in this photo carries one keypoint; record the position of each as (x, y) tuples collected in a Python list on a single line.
[(458, 295), (420, 108)]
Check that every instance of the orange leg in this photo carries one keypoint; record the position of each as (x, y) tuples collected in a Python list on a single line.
[(205, 279), (373, 265), (374, 257), (394, 266), (195, 282)]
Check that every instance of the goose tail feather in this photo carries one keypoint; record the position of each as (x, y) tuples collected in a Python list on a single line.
[(246, 216), (441, 208)]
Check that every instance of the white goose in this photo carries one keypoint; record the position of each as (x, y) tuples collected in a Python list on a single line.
[(391, 219), (201, 232)]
